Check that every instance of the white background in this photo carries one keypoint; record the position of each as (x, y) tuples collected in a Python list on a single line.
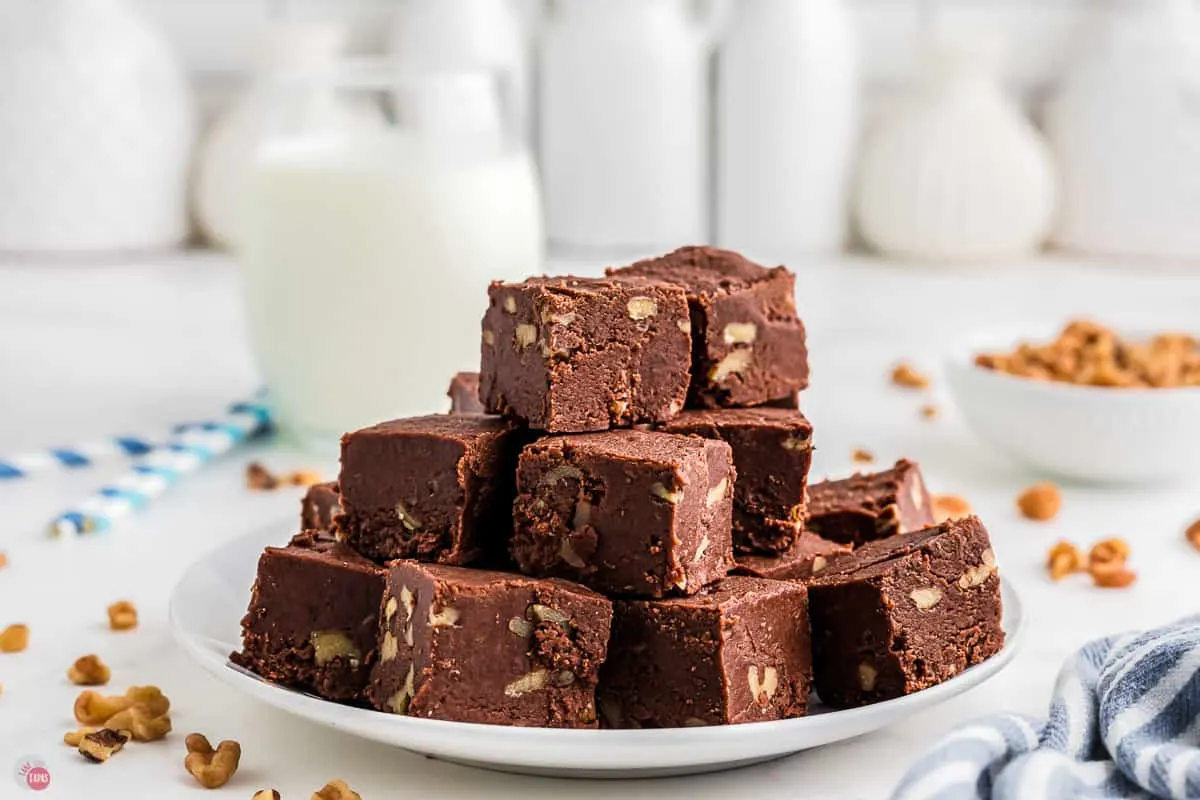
[(100, 349)]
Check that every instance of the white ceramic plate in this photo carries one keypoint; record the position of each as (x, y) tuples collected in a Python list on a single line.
[(1081, 432), (210, 599)]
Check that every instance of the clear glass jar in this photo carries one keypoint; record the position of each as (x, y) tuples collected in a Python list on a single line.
[(369, 245)]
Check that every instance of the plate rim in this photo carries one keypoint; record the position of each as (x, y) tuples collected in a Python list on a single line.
[(310, 707)]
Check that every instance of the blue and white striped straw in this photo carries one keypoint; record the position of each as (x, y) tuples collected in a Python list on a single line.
[(190, 448), (78, 456)]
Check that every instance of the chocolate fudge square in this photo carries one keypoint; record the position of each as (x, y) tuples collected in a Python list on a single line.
[(320, 505), (627, 512), (748, 345), (571, 354), (808, 557), (436, 488), (903, 614), (863, 508), (736, 652), (464, 394), (313, 622), (490, 647), (772, 451)]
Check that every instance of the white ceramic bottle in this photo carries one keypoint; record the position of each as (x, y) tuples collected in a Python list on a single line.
[(955, 172), (222, 173), (1124, 124), (787, 127), (96, 130), (624, 124), (469, 34)]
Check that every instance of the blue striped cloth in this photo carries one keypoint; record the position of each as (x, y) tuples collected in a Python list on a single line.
[(1124, 723)]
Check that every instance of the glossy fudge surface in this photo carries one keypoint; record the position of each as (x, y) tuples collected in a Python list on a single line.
[(749, 347), (570, 355), (772, 451), (736, 652), (312, 623), (863, 508), (905, 613), (436, 488), (489, 647), (626, 512)]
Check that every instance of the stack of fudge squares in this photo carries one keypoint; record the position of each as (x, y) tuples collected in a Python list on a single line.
[(613, 528)]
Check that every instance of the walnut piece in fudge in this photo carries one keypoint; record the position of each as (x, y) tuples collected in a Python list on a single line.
[(436, 488), (736, 652), (772, 451), (320, 505), (748, 344), (807, 558), (905, 613), (490, 647), (464, 394), (312, 623), (863, 508), (627, 512), (572, 354)]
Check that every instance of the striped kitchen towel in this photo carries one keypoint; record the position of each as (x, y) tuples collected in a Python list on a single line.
[(1124, 723)]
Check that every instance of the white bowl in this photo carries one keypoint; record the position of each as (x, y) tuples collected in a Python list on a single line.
[(1087, 433)]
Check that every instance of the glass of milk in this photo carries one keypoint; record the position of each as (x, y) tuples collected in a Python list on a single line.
[(369, 246)]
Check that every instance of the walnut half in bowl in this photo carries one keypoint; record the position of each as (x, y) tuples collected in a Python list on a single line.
[(1084, 402)]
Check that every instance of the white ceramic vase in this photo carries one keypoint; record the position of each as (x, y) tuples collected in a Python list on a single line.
[(96, 130), (470, 34), (956, 173), (787, 127), (624, 124), (1124, 125), (223, 168)]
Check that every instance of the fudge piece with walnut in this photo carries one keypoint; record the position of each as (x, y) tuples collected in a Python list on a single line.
[(436, 488), (736, 652), (772, 451), (902, 614), (807, 558), (863, 508), (748, 344), (489, 647), (464, 394), (320, 505), (312, 621), (574, 354), (625, 512)]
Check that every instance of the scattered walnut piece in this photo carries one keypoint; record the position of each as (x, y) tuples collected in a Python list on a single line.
[(211, 768), (93, 708), (122, 616), (141, 723), (1112, 576), (336, 790), (303, 477), (904, 375), (1090, 354), (930, 411), (1193, 534), (73, 738), (861, 456), (950, 506), (3, 561), (266, 794), (14, 639), (1064, 559), (89, 670), (99, 746), (259, 478), (1108, 552), (1041, 502)]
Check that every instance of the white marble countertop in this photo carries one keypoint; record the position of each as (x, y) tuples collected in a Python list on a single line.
[(86, 351)]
